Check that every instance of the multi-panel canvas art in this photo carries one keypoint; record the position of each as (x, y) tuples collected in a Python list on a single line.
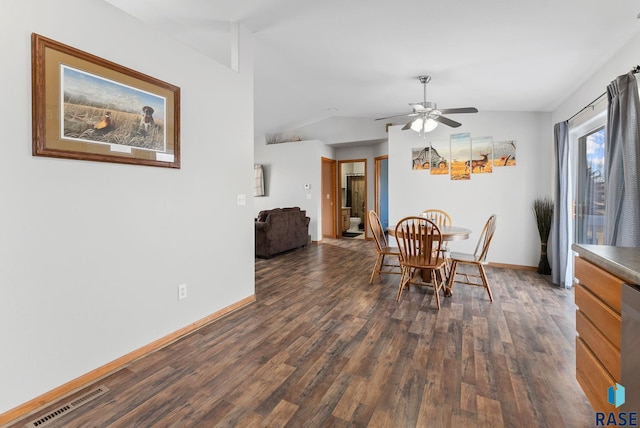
[(504, 153), (462, 156), (481, 155), (440, 155)]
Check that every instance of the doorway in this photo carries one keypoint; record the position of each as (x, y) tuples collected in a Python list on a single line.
[(328, 198), (381, 189), (353, 197)]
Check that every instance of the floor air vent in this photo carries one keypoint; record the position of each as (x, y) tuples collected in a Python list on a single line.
[(63, 410)]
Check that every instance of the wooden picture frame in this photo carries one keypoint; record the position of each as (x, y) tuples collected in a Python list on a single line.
[(88, 108)]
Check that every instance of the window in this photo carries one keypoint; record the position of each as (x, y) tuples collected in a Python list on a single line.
[(589, 199)]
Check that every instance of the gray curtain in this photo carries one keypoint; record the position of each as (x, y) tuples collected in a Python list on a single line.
[(622, 193), (560, 244)]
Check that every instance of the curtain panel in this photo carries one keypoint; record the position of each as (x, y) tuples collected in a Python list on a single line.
[(561, 245), (622, 153)]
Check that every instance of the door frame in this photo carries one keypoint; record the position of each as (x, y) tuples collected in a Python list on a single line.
[(339, 191), (328, 168), (376, 181)]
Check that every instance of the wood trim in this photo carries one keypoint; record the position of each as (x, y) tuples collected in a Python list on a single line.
[(77, 384), (376, 181), (332, 165), (508, 266)]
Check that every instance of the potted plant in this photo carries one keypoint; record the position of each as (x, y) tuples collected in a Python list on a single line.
[(543, 210)]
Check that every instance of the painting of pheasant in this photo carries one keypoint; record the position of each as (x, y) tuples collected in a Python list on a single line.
[(104, 123)]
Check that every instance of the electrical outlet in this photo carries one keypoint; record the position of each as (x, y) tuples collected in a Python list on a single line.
[(182, 291)]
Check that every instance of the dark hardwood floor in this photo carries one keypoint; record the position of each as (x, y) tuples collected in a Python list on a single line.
[(321, 347)]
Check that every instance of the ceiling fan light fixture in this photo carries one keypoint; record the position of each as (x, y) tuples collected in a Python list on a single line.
[(417, 125), (429, 125)]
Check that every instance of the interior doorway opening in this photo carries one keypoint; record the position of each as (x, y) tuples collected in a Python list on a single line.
[(381, 192), (328, 198), (353, 199)]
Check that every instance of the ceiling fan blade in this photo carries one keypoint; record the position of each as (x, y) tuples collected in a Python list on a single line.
[(459, 110), (446, 121), (398, 115)]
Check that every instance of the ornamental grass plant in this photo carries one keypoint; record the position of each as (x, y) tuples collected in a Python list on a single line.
[(543, 210)]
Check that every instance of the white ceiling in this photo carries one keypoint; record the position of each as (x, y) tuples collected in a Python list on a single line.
[(362, 57)]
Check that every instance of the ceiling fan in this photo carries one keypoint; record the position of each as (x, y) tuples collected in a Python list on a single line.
[(426, 114)]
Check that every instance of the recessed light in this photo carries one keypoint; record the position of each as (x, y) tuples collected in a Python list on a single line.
[(333, 109)]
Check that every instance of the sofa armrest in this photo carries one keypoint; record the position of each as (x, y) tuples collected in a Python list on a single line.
[(262, 226)]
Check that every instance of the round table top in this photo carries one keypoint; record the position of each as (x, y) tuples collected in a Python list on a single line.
[(449, 233)]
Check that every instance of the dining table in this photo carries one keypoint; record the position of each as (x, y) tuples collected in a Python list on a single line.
[(448, 233)]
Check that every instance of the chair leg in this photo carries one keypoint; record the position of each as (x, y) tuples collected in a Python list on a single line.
[(376, 267), (452, 275), (406, 276), (485, 281), (434, 281), (447, 262)]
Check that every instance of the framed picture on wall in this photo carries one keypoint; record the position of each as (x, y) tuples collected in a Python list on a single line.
[(88, 108)]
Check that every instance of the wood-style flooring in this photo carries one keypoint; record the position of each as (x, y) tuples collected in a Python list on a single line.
[(321, 347)]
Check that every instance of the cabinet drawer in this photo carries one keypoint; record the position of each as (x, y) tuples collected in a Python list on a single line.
[(599, 282), (601, 315), (593, 378), (599, 345)]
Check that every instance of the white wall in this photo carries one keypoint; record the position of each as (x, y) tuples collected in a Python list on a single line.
[(91, 253), (287, 168), (620, 63), (508, 191)]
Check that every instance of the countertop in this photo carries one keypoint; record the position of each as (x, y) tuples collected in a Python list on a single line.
[(623, 262)]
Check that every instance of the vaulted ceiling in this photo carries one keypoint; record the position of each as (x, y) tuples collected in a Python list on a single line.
[(361, 58)]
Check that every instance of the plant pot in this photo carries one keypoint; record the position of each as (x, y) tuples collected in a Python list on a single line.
[(543, 266)]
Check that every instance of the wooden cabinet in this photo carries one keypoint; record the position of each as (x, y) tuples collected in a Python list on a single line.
[(346, 218), (598, 323)]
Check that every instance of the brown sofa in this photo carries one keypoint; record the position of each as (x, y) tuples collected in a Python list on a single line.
[(281, 229)]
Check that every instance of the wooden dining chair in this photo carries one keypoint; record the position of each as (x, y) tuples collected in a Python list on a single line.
[(419, 241), (383, 250), (441, 218), (478, 259)]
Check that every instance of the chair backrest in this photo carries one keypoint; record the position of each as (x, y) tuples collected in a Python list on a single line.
[(482, 248), (439, 217), (378, 233), (419, 241)]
